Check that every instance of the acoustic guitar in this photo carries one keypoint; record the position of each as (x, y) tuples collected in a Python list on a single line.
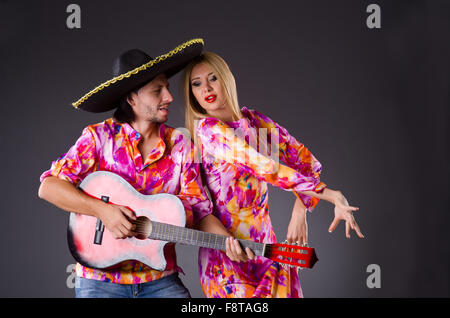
[(160, 219)]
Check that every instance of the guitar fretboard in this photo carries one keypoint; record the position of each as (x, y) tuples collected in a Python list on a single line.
[(178, 234)]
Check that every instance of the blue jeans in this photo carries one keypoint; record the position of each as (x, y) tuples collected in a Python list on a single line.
[(167, 287)]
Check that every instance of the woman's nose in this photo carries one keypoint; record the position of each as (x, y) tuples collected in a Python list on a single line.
[(207, 88)]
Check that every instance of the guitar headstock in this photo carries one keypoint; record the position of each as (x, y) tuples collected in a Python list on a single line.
[(294, 255)]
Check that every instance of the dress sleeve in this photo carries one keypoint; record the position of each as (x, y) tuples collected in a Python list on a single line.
[(218, 141), (292, 153), (78, 162), (192, 193)]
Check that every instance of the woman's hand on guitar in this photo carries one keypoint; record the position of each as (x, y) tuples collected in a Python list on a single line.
[(298, 229), (235, 252), (116, 219), (343, 211)]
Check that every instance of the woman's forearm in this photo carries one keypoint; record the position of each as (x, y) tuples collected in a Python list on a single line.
[(299, 207), (327, 194), (213, 225)]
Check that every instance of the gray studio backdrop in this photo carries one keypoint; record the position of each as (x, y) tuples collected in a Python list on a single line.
[(370, 103)]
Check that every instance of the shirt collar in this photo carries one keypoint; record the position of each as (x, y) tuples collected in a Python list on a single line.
[(135, 136)]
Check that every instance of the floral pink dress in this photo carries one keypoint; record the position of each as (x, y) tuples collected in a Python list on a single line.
[(236, 176)]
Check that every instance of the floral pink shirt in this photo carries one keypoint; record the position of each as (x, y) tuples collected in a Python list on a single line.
[(169, 168), (236, 176)]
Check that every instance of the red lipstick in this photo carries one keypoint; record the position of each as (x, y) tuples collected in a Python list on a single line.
[(210, 98)]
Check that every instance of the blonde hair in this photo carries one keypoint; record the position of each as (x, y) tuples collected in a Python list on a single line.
[(193, 110)]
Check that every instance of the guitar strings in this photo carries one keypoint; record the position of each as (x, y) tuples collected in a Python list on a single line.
[(143, 224)]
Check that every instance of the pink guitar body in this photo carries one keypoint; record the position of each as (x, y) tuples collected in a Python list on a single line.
[(164, 208)]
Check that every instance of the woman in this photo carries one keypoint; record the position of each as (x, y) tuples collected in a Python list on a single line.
[(236, 175)]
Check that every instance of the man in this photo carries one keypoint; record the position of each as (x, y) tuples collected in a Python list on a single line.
[(153, 157)]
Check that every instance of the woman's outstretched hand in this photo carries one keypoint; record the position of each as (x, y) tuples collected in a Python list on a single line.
[(344, 212)]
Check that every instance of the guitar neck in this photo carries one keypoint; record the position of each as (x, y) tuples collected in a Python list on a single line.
[(178, 234)]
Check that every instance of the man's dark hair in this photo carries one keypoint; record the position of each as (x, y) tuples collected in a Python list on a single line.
[(124, 113)]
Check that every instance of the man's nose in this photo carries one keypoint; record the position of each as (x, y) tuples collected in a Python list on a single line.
[(168, 98)]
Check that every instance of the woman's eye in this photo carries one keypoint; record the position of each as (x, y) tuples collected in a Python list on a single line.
[(196, 84), (213, 78)]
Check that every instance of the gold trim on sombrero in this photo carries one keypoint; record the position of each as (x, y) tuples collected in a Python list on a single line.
[(137, 70)]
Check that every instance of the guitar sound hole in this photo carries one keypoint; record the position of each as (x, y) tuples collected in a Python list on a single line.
[(143, 227)]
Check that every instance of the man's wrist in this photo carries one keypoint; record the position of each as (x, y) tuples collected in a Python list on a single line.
[(97, 207)]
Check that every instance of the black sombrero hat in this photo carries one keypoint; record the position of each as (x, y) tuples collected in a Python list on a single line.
[(134, 68)]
